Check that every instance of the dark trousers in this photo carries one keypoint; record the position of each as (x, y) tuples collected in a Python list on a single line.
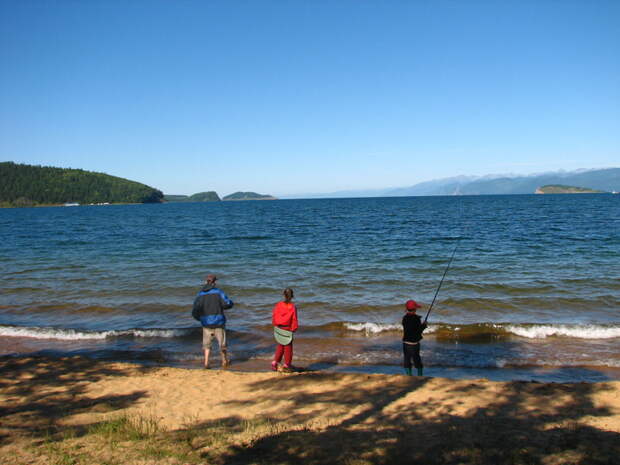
[(412, 352)]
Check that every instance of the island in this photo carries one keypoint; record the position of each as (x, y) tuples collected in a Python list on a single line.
[(248, 196), (29, 186), (209, 196), (561, 189)]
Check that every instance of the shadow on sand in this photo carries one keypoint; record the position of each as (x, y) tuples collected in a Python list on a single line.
[(38, 391), (520, 423)]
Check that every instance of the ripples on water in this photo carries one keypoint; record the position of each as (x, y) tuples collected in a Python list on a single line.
[(521, 260)]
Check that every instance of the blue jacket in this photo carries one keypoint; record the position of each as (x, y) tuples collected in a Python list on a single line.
[(209, 307)]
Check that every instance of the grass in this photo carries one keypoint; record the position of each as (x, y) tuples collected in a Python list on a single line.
[(126, 439), (125, 427), (58, 454), (135, 439)]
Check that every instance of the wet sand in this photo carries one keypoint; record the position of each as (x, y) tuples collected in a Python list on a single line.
[(27, 347)]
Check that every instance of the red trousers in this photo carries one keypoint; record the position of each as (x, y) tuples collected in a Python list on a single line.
[(287, 351)]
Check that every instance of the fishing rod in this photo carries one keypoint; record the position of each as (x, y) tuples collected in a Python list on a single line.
[(442, 278)]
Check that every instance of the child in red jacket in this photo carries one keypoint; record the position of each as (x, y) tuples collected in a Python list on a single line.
[(284, 320)]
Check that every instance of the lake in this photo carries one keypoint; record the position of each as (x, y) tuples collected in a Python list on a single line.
[(533, 291)]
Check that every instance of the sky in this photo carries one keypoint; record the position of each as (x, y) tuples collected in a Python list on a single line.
[(290, 97)]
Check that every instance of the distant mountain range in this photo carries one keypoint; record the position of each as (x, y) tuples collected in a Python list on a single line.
[(27, 185), (607, 180)]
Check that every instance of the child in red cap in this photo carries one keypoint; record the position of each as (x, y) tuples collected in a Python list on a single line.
[(412, 335)]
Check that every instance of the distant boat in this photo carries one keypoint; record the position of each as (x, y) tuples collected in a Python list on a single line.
[(72, 204)]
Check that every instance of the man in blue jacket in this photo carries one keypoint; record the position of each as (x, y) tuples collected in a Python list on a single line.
[(209, 309)]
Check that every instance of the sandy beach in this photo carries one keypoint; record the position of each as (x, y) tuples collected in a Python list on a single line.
[(79, 411)]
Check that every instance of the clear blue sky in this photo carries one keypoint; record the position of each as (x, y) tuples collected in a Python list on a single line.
[(288, 97)]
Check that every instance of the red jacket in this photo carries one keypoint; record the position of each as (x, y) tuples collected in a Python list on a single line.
[(285, 316)]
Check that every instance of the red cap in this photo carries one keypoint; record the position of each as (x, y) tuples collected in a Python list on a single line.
[(412, 305)]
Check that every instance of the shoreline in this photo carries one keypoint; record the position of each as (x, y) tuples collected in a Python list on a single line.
[(536, 374), (71, 406)]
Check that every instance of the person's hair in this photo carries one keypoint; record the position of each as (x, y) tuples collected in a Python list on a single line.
[(288, 294)]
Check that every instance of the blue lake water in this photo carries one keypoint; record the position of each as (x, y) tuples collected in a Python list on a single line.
[(534, 285)]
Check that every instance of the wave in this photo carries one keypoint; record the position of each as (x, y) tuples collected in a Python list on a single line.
[(373, 328), (573, 331), (68, 334), (507, 289), (249, 238), (120, 308), (478, 332), (499, 330)]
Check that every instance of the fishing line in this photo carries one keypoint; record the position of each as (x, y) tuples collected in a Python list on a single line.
[(447, 267), (442, 278)]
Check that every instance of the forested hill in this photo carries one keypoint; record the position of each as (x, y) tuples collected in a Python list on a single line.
[(248, 196), (28, 185), (210, 196), (561, 189)]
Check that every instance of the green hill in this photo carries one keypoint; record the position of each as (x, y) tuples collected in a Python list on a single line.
[(562, 189), (175, 198), (248, 196), (28, 185), (210, 196)]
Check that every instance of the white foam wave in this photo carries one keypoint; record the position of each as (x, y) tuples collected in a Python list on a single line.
[(574, 331), (376, 328), (66, 334), (540, 331), (371, 328), (156, 332)]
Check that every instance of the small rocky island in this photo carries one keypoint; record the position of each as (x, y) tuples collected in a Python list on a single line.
[(561, 189), (210, 196), (248, 196)]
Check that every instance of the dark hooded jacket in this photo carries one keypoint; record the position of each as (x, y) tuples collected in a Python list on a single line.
[(412, 328), (209, 307)]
